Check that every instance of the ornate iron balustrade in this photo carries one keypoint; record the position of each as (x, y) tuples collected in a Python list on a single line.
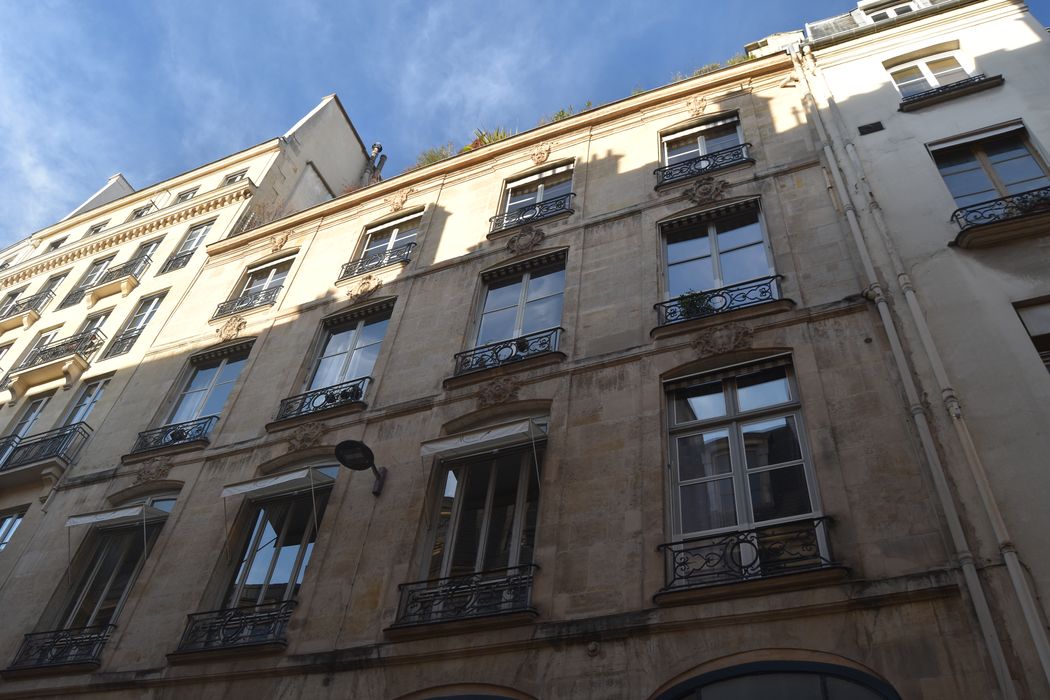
[(73, 298), (460, 597), (174, 434), (62, 647), (704, 164), (122, 343), (63, 444), (533, 212), (764, 552), (237, 627), (375, 261), (37, 302), (507, 351), (943, 89), (133, 268), (7, 445), (1012, 206), (264, 297), (83, 344), (176, 262), (323, 399), (716, 301)]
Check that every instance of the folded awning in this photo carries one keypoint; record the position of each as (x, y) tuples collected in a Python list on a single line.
[(283, 483), (518, 432), (118, 516)]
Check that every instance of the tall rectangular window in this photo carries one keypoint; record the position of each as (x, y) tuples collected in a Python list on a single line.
[(522, 304), (134, 326), (9, 522), (90, 279), (264, 277), (182, 254), (89, 395), (53, 283), (207, 388), (9, 301), (30, 413), (349, 351), (94, 322), (992, 168)]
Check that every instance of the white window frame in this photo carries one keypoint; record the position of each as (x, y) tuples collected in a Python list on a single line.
[(10, 299), (85, 401), (543, 175), (30, 414), (928, 75), (395, 227), (890, 11), (267, 284), (140, 212), (233, 178), (186, 195), (702, 142), (9, 523), (96, 228)]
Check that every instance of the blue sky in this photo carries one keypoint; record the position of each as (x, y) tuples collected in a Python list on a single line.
[(152, 89)]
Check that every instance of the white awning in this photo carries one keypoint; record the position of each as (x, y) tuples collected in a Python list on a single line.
[(518, 432), (703, 127), (281, 483), (978, 136), (118, 516)]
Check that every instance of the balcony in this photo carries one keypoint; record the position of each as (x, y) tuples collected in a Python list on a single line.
[(62, 359), (259, 627), (176, 262), (25, 312), (747, 555), (191, 433), (693, 305), (376, 261), (60, 650), (264, 297), (950, 91), (532, 213), (686, 169), (507, 351), (345, 395), (503, 592), (120, 278), (1005, 219)]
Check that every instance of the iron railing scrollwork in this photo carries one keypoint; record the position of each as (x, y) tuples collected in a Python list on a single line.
[(701, 165), (132, 268), (764, 552), (943, 89), (63, 444), (174, 434), (237, 627), (322, 399), (533, 212), (377, 260), (62, 647), (83, 344), (37, 302), (1012, 206), (507, 351), (716, 301), (123, 342), (460, 597), (264, 297), (176, 262)]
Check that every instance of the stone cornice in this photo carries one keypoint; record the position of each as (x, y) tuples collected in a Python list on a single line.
[(216, 199)]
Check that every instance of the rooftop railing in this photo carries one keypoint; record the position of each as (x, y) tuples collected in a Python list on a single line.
[(701, 165), (533, 212)]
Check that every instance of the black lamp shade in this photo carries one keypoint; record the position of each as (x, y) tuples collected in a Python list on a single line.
[(354, 455)]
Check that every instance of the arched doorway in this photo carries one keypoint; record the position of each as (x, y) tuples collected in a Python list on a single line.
[(782, 680)]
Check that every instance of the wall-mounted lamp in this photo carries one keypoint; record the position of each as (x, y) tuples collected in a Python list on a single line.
[(356, 456)]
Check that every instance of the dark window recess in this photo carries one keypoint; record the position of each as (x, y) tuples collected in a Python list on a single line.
[(866, 129)]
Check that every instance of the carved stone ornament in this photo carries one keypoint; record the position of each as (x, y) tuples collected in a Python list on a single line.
[(696, 105), (497, 391), (725, 338), (232, 328), (368, 286), (705, 190), (525, 240), (305, 436), (398, 199), (153, 470), (277, 242), (540, 152)]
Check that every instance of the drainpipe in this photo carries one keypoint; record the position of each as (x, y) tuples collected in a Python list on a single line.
[(1019, 581), (940, 481)]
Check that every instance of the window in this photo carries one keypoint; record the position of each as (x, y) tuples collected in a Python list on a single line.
[(141, 212), (9, 522), (184, 252), (54, 245), (349, 351), (890, 12), (991, 168), (30, 413), (234, 177), (702, 140), (52, 283), (541, 187), (1036, 320), (920, 76), (94, 322), (186, 195), (91, 277), (87, 398), (265, 277), (4, 349), (134, 326), (523, 304), (9, 301), (96, 228), (207, 388)]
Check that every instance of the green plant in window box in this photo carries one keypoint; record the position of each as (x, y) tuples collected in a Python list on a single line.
[(695, 304)]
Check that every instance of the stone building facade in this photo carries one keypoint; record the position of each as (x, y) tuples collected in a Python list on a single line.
[(653, 411)]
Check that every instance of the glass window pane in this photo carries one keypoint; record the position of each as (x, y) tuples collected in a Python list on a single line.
[(372, 331), (448, 494), (686, 246), (1016, 170), (766, 388), (704, 454), (362, 362), (338, 343), (707, 506), (230, 370), (522, 196), (542, 314), (497, 325), (744, 264), (772, 441), (500, 295), (543, 284), (842, 689), (699, 403), (720, 138), (553, 190), (767, 686), (969, 183), (377, 241), (779, 493), (328, 372), (738, 231), (202, 378), (186, 407), (216, 400), (692, 276), (499, 543), (471, 519), (684, 148)]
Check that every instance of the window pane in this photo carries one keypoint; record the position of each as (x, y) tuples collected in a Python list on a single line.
[(686, 246), (372, 331), (684, 148), (744, 264), (328, 372), (767, 686), (707, 506), (695, 275), (947, 70), (257, 559), (361, 363), (543, 284), (499, 543), (699, 403), (772, 441), (471, 519), (1019, 170), (377, 241), (766, 388), (972, 185), (738, 231), (553, 190), (779, 493), (230, 370), (202, 377), (186, 407), (497, 325), (338, 342), (448, 494), (542, 314), (287, 551), (702, 455), (720, 137), (522, 196), (216, 400), (500, 295)]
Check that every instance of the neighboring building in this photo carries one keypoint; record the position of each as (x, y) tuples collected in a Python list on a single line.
[(652, 421)]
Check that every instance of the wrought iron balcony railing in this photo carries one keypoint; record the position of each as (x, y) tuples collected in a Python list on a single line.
[(764, 552), (74, 297), (943, 89), (7, 445), (716, 301), (122, 343), (176, 262), (264, 297), (322, 399), (704, 164), (533, 212), (37, 302), (507, 351), (237, 627), (461, 597), (375, 261), (83, 344), (61, 648), (1012, 206), (132, 268), (175, 434), (62, 444)]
